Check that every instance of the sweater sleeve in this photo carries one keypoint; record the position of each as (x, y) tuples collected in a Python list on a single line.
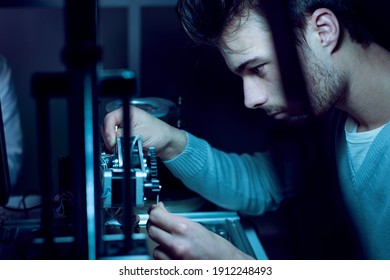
[(244, 183)]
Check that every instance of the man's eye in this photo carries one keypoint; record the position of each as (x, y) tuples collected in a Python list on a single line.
[(258, 70)]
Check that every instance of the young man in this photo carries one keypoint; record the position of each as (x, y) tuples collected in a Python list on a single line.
[(343, 69)]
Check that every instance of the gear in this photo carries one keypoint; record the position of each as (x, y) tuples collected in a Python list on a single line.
[(153, 163), (153, 183)]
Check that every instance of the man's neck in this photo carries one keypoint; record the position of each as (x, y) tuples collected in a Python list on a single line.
[(368, 97)]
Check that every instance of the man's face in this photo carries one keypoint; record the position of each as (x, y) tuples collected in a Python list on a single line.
[(249, 52)]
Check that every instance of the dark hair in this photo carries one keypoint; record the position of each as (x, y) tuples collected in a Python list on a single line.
[(206, 20), (347, 12)]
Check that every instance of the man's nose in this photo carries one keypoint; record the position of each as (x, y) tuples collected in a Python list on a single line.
[(255, 95)]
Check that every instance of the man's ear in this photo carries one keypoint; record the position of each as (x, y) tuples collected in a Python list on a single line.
[(325, 25)]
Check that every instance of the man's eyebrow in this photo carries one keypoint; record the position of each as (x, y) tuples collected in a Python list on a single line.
[(244, 65)]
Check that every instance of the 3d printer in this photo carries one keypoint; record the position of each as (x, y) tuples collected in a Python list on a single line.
[(143, 170), (144, 181)]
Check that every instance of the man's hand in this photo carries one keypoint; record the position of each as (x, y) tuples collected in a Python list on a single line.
[(168, 140), (182, 238)]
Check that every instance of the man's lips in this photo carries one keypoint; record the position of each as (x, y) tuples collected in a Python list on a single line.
[(279, 115)]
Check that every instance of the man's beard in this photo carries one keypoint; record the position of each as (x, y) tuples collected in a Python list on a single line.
[(325, 83)]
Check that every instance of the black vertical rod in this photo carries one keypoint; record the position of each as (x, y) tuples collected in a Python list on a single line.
[(290, 69), (82, 57), (45, 175), (309, 143), (128, 189)]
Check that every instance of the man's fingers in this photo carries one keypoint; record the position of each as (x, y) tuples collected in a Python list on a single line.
[(160, 254), (160, 236), (160, 217), (153, 206), (111, 122)]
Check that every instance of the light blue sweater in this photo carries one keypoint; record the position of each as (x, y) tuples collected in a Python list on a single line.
[(244, 183), (367, 192), (249, 184)]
